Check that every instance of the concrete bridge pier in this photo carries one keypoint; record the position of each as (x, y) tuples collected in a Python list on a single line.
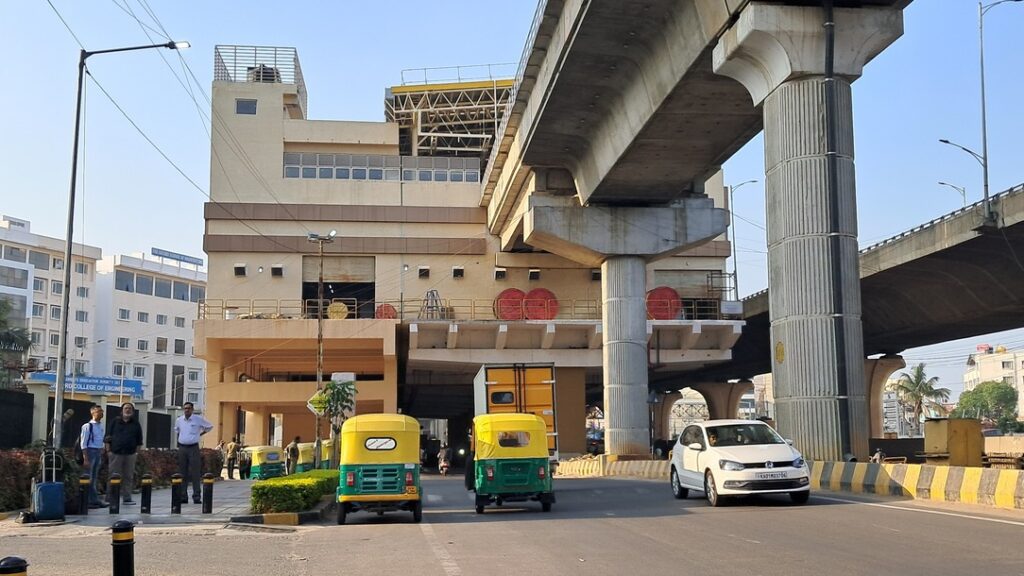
[(621, 240), (779, 54), (723, 398), (876, 373)]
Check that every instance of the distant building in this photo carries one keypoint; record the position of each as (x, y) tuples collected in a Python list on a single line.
[(996, 364)]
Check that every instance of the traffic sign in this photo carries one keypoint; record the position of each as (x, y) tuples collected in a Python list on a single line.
[(317, 403)]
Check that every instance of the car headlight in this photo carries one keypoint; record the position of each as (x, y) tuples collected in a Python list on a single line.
[(729, 465), (799, 462)]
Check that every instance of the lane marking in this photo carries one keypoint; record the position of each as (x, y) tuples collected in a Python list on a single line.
[(923, 511), (450, 566), (434, 498)]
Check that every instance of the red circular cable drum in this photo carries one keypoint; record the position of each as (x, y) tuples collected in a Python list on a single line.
[(385, 312), (663, 303), (540, 304), (509, 304)]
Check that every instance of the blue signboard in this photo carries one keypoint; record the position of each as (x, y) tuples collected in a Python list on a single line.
[(93, 384), (175, 256)]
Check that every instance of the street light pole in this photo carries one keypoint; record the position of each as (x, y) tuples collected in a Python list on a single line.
[(320, 240), (62, 360), (732, 224), (961, 189)]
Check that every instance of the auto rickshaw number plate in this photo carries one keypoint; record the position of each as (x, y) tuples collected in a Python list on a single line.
[(411, 490)]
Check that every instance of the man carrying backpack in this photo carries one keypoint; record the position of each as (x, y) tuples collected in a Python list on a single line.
[(91, 442)]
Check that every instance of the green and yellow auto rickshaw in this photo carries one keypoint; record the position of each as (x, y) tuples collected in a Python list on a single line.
[(267, 462), (511, 463), (380, 466), (326, 453), (305, 461)]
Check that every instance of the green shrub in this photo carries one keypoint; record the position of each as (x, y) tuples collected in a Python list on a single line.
[(293, 493)]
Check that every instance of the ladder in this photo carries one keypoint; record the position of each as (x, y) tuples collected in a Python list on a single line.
[(431, 307)]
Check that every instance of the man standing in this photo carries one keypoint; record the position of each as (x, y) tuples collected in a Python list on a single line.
[(124, 436), (292, 452), (92, 452), (190, 428), (232, 457)]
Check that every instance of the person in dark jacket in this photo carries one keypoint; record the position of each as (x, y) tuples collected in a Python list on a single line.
[(124, 436)]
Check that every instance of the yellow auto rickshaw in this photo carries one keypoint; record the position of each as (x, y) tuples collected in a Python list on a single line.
[(326, 453), (510, 461), (305, 461), (380, 465), (266, 462)]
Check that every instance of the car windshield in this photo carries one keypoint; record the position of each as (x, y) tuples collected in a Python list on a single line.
[(742, 435)]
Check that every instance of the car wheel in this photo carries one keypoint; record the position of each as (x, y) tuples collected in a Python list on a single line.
[(677, 488), (342, 513), (417, 512), (710, 490), (800, 497)]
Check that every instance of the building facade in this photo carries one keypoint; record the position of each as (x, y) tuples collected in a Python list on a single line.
[(145, 328), (375, 233), (997, 364)]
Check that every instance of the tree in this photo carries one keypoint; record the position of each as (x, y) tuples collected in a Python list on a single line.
[(993, 400), (917, 390), (341, 401), (15, 341)]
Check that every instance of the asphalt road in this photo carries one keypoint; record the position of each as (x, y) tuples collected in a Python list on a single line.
[(598, 526)]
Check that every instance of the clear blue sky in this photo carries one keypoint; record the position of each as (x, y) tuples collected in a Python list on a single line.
[(922, 88)]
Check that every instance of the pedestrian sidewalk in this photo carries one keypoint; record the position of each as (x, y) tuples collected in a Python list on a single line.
[(230, 498)]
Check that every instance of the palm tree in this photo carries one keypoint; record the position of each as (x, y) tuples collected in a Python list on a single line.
[(15, 341), (916, 389)]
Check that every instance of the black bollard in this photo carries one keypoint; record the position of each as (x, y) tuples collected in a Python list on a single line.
[(114, 493), (83, 494), (176, 488), (123, 542), (207, 493), (147, 494), (13, 565)]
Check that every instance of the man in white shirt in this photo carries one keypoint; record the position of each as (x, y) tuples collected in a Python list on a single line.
[(190, 427), (91, 442)]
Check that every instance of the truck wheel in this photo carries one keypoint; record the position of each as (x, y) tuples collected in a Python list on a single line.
[(470, 472)]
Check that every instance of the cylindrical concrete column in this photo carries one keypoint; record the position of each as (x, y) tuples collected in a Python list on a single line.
[(624, 315), (815, 308)]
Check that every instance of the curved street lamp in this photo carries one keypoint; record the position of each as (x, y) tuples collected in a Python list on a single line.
[(961, 189), (320, 240), (58, 398)]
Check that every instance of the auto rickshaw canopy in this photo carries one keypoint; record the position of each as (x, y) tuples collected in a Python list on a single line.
[(510, 436), (380, 439), (265, 454)]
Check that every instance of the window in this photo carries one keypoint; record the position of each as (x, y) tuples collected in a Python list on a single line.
[(81, 341), (197, 293), (54, 338), (122, 343), (118, 369), (40, 260), (82, 292), (161, 344), (162, 288), (58, 263), (1007, 365), (124, 281), (54, 312), (37, 337), (144, 284), (124, 314), (503, 398), (143, 345), (179, 346), (193, 375), (181, 291), (38, 310), (81, 367), (179, 322), (500, 273), (15, 254), (245, 106), (56, 287), (277, 271), (81, 316), (424, 272), (239, 269), (39, 285), (144, 317), (140, 371), (161, 319), (193, 397), (13, 277), (81, 268)]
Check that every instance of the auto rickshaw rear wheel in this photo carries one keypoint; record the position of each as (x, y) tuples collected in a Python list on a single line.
[(417, 511), (545, 506), (342, 513), (479, 509), (470, 472)]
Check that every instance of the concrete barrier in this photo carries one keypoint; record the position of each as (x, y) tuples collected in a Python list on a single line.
[(994, 487)]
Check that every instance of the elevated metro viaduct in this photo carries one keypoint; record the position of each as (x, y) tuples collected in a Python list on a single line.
[(620, 113)]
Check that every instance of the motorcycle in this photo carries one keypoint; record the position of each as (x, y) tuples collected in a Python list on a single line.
[(443, 467)]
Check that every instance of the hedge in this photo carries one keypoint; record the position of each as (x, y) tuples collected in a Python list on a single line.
[(19, 467), (294, 493)]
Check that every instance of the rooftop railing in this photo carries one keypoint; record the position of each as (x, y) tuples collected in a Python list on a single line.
[(259, 64)]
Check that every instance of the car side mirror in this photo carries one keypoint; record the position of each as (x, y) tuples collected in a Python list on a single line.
[(788, 441), (695, 446)]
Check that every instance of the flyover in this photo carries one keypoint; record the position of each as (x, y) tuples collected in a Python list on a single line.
[(621, 112)]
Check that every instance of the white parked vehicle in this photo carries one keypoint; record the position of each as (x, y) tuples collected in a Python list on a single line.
[(737, 458)]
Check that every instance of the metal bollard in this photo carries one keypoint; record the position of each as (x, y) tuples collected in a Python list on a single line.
[(13, 565), (83, 494), (114, 493), (176, 487), (207, 493), (147, 494), (123, 544)]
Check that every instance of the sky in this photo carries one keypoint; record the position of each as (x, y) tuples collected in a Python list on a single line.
[(134, 195)]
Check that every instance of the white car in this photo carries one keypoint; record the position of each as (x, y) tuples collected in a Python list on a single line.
[(737, 458)]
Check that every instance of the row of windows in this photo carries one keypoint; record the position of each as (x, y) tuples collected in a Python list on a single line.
[(125, 314), (142, 345), (39, 260), (375, 167), (56, 287), (39, 310), (385, 174), (152, 286), (139, 371)]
